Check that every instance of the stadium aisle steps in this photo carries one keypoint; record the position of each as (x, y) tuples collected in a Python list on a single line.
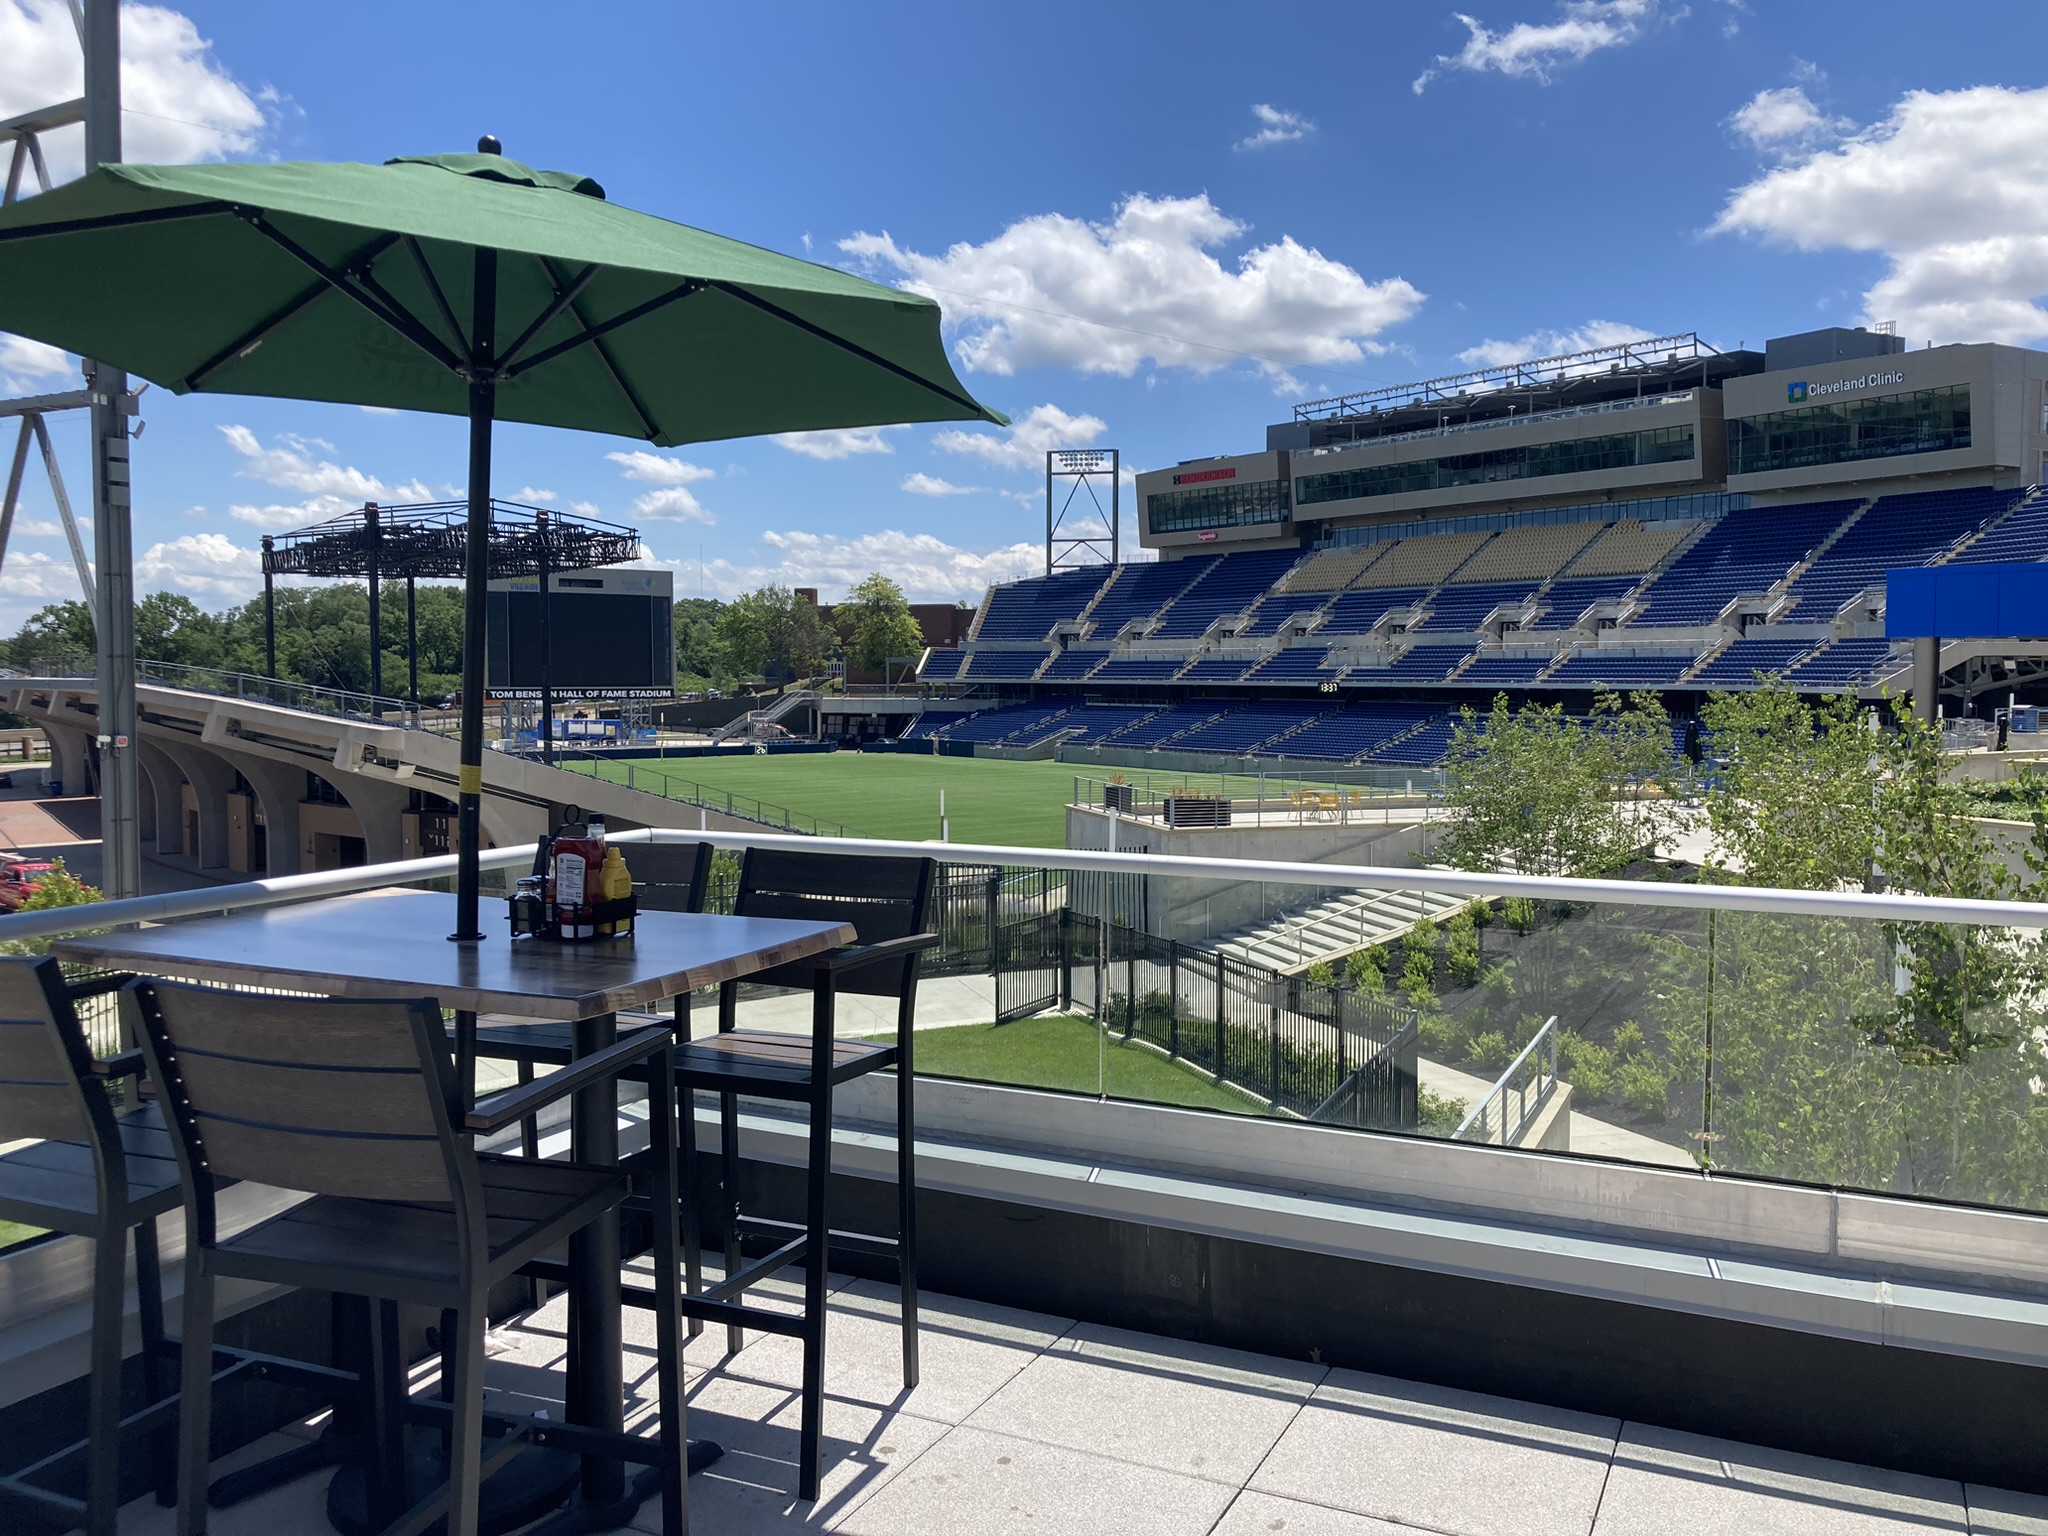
[(941, 666), (1465, 607), (2021, 537), (1098, 722), (1356, 612), (1739, 662), (1568, 599), (1897, 531), (1296, 664), (1510, 669), (1027, 610), (1594, 668), (1217, 669), (1158, 729), (1744, 554), (1230, 586), (1074, 663), (1249, 728), (1139, 591), (1846, 663), (1355, 730)]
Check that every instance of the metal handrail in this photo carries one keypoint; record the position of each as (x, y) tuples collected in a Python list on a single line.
[(1546, 1081), (1453, 882), (1598, 408)]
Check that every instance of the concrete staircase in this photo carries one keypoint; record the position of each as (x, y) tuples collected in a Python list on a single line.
[(1329, 930)]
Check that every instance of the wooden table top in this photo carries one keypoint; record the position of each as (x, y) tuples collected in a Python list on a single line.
[(393, 943)]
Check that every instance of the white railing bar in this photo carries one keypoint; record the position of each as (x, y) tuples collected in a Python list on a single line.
[(1450, 882), (1500, 1088)]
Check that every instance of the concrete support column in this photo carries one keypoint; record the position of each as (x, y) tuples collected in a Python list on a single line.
[(163, 808), (68, 747), (279, 788), (212, 779), (1926, 677), (145, 810), (380, 808)]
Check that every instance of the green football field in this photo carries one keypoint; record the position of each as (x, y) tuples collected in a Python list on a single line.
[(893, 795)]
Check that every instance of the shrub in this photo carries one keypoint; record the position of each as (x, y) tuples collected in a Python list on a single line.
[(58, 888), (1418, 976), (1491, 1050), (1520, 912), (1589, 1068), (1461, 954), (1322, 974), (1645, 1087), (1421, 939), (1437, 1115), (1628, 1040), (1367, 970)]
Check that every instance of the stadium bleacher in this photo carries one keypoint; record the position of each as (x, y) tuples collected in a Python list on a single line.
[(1353, 731), (1744, 554), (1423, 560), (1506, 669), (1248, 728), (1156, 729), (1355, 613), (1278, 608), (942, 666), (1139, 591), (1217, 669), (1567, 601), (1745, 658), (1418, 664), (1332, 570), (1532, 554), (1631, 547), (1229, 586), (1896, 531), (1596, 668), (1027, 610), (934, 722), (1097, 721), (1845, 664), (1137, 669), (2021, 537), (1424, 749), (1466, 607), (999, 725), (1008, 665), (1075, 663), (1296, 664)]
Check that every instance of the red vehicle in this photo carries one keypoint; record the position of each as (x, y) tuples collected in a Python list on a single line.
[(18, 877)]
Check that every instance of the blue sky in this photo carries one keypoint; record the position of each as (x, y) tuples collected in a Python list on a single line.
[(1149, 234)]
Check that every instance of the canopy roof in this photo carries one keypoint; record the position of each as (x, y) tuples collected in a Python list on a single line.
[(427, 539)]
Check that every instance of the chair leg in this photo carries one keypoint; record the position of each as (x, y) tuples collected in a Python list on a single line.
[(729, 1177), (817, 1252), (906, 1212), (687, 1195), (195, 1395), (149, 1304), (668, 1320), (529, 1126), (465, 1449), (103, 1450)]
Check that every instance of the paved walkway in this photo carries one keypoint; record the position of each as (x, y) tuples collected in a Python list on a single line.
[(1032, 1423)]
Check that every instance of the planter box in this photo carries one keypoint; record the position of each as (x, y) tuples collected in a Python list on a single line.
[(1119, 798), (1197, 811)]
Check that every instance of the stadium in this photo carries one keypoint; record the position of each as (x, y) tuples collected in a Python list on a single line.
[(1656, 515)]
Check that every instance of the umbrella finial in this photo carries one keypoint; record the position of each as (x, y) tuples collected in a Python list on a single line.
[(489, 145)]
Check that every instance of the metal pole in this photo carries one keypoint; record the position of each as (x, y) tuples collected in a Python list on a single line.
[(114, 626), (1048, 512), (269, 615), (476, 568), (374, 527), (1116, 481), (412, 643), (547, 641), (14, 474)]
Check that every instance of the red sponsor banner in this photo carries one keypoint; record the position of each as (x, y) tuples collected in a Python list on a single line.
[(1206, 536), (1196, 477)]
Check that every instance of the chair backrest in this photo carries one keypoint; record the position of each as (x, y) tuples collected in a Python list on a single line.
[(329, 1096), (882, 898), (47, 1089), (670, 877)]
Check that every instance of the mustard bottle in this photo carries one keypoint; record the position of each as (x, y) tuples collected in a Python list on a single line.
[(614, 883)]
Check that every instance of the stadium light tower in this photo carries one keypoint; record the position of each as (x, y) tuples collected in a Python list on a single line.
[(1074, 536)]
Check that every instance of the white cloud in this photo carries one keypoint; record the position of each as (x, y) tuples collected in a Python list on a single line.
[(180, 104), (1594, 333), (931, 485), (659, 468), (928, 568), (1785, 120), (837, 442), (209, 568), (37, 528), (1532, 50), (1276, 126), (1026, 441), (33, 367), (293, 463), (670, 504), (29, 573), (532, 495), (1060, 292), (1947, 187)]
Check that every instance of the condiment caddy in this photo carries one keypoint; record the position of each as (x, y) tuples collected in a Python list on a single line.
[(580, 890)]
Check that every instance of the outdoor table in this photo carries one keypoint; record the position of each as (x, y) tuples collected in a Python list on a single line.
[(392, 943)]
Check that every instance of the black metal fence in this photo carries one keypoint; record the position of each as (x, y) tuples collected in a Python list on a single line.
[(1318, 1051)]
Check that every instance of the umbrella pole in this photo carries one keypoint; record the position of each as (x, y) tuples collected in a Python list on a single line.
[(475, 581)]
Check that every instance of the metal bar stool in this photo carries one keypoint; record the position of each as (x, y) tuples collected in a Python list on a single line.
[(888, 902), (357, 1104)]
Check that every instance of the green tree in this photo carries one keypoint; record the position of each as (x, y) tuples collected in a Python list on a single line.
[(59, 631), (876, 623), (773, 633), (700, 658)]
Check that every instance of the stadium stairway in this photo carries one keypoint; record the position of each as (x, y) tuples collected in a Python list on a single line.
[(1329, 930)]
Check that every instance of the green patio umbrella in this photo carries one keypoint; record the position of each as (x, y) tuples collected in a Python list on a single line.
[(471, 285)]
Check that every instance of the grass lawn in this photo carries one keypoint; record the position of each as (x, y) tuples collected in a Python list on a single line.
[(888, 795), (12, 1232), (1066, 1053)]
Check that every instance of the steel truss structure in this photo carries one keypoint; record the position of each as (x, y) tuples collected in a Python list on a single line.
[(1068, 547)]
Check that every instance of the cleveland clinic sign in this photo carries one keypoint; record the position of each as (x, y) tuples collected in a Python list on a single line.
[(1800, 391)]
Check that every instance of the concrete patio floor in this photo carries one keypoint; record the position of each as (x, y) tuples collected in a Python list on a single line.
[(1027, 1422)]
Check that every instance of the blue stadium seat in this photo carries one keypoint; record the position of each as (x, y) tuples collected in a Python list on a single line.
[(1845, 664), (1425, 749), (1168, 723), (1466, 608), (2021, 537), (1745, 554), (1506, 670), (1419, 664), (1567, 601), (941, 666), (1355, 613), (1354, 731), (1027, 610), (1011, 665), (1217, 669), (1098, 722), (1296, 664), (1074, 663), (1140, 591), (1597, 669), (1745, 658), (1231, 585), (1896, 532), (1248, 728), (999, 725), (1134, 669)]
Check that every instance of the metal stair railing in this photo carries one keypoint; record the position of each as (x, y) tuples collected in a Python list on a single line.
[(1529, 1080)]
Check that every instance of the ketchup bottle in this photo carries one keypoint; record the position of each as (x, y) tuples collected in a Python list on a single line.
[(578, 856)]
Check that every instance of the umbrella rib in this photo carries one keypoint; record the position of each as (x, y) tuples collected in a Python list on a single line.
[(399, 320), (859, 351), (604, 353), (419, 259), (564, 297), (116, 220), (592, 332), (248, 340)]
